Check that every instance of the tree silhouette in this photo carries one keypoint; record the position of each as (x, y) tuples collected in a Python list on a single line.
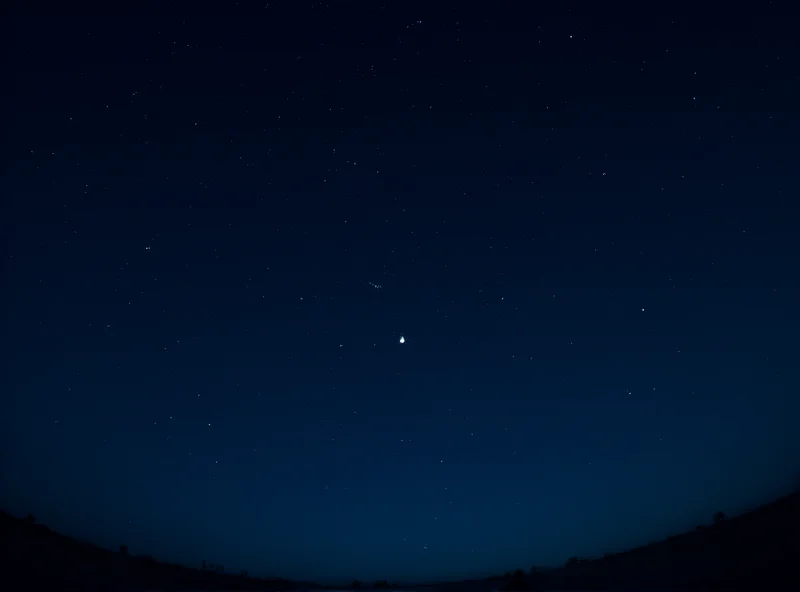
[(719, 517), (572, 562), (381, 584), (516, 581), (534, 582), (355, 585)]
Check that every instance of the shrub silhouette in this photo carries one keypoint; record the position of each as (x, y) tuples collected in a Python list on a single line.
[(355, 585), (719, 517)]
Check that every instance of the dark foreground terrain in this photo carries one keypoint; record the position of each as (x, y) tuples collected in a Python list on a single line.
[(759, 550), (33, 557)]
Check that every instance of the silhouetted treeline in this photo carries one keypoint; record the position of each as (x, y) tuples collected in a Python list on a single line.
[(755, 551), (32, 557)]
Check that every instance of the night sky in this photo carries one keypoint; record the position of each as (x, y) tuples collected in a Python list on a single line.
[(349, 290)]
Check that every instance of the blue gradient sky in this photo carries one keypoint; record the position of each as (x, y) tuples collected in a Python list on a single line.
[(220, 223)]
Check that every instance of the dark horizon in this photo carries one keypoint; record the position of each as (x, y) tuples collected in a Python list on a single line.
[(382, 291), (742, 552)]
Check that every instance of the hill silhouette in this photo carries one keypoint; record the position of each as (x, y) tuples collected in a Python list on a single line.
[(33, 557), (757, 550)]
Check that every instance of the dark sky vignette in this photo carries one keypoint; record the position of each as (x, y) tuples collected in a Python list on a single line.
[(219, 227)]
